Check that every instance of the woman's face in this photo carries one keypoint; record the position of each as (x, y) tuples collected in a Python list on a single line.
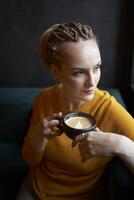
[(79, 70)]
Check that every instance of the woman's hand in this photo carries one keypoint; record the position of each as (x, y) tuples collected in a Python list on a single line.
[(97, 143), (43, 131), (50, 126)]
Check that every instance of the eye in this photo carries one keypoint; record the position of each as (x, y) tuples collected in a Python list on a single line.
[(77, 73), (96, 68)]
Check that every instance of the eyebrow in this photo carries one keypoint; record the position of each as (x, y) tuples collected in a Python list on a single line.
[(99, 63)]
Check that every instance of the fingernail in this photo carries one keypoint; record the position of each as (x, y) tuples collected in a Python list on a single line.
[(60, 113), (73, 144)]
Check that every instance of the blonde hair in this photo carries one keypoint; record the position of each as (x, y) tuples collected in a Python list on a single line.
[(59, 33)]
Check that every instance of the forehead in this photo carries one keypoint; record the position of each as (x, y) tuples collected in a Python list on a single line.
[(83, 53)]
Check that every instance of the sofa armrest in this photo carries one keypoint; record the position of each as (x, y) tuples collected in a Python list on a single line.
[(12, 169), (119, 180), (117, 94)]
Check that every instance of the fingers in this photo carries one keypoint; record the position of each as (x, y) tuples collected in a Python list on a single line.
[(78, 139), (49, 125), (97, 129), (84, 150), (49, 135), (87, 143), (51, 120), (82, 136), (53, 116)]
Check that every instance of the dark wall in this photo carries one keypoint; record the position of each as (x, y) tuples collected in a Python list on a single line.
[(23, 21), (127, 58)]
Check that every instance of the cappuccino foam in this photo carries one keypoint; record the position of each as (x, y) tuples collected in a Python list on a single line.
[(79, 122)]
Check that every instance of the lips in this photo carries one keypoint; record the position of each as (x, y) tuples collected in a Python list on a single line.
[(89, 91)]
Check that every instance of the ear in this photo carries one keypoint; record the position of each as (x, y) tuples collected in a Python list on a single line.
[(56, 72)]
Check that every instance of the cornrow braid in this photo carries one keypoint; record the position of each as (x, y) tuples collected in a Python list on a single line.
[(59, 33)]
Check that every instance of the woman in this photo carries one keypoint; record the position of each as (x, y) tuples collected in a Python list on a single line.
[(59, 167)]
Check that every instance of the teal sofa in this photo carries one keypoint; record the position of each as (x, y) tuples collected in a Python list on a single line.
[(15, 111)]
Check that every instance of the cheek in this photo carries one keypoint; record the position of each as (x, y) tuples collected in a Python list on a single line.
[(98, 75), (74, 83), (77, 82)]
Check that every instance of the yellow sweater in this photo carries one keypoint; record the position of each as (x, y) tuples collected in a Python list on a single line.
[(57, 173)]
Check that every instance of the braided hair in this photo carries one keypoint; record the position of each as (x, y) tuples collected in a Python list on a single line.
[(60, 33)]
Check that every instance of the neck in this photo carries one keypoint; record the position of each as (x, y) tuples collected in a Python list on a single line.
[(68, 102)]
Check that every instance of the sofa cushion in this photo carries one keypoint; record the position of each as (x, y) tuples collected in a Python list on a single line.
[(117, 94), (10, 159), (14, 121), (16, 108), (12, 170)]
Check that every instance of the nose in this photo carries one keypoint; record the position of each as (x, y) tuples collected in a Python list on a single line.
[(90, 80)]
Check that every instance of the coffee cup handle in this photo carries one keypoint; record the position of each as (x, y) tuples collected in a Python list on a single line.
[(59, 128)]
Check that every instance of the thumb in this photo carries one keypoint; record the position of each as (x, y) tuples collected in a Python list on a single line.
[(97, 129), (78, 139)]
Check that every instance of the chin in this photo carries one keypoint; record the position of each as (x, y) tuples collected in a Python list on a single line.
[(83, 98), (88, 97)]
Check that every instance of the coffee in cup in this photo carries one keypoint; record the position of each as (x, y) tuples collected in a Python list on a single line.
[(79, 122), (76, 123)]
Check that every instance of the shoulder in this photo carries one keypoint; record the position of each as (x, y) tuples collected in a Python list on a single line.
[(103, 97), (113, 115), (43, 102), (46, 94), (102, 93), (108, 105), (111, 94)]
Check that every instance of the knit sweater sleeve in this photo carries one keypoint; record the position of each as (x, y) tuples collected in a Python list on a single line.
[(30, 154), (113, 117)]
